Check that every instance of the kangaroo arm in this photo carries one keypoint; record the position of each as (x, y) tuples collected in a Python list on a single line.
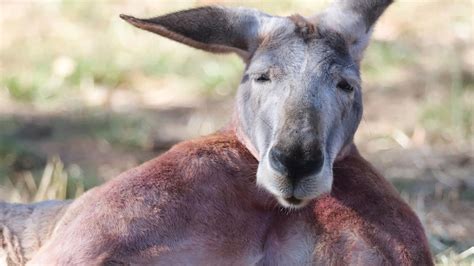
[(25, 227)]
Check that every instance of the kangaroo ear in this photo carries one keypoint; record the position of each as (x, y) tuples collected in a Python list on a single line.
[(354, 20), (214, 29)]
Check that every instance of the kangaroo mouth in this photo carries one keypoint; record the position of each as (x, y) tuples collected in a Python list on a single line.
[(293, 200)]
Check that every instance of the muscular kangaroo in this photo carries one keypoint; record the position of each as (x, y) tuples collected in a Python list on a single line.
[(282, 184)]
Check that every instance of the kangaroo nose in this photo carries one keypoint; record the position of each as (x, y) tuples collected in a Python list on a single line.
[(296, 164)]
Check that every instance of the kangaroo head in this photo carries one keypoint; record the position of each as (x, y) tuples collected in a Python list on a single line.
[(300, 101)]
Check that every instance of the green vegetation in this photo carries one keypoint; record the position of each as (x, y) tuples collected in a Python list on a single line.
[(452, 117)]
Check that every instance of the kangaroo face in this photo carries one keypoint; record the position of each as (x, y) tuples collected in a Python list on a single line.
[(299, 102)]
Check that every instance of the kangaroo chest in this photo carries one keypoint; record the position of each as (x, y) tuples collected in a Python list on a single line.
[(269, 241)]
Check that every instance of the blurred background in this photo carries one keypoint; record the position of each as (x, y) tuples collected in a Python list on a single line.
[(85, 96)]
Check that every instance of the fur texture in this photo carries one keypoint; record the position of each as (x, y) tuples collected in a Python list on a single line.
[(198, 204)]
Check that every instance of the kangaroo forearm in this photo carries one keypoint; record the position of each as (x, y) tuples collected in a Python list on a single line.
[(25, 227)]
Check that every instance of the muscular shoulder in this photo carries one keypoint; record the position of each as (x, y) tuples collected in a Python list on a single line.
[(363, 202), (218, 152), (189, 167)]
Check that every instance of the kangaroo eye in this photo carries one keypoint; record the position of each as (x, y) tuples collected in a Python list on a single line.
[(345, 86), (262, 78)]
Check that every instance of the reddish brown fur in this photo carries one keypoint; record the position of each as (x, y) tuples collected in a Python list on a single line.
[(198, 203), (363, 201)]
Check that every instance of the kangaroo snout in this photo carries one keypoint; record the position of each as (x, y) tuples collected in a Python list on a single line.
[(296, 163), (296, 171)]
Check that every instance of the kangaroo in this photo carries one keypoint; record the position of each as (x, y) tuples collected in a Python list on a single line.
[(282, 184)]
